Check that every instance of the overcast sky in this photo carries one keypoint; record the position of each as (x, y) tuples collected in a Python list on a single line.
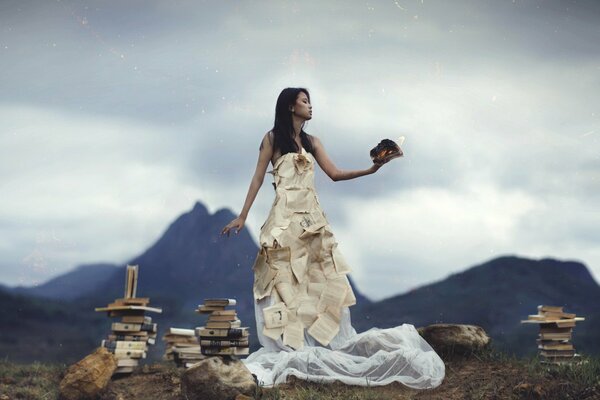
[(116, 117)]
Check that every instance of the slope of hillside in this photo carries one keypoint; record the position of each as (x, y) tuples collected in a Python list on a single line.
[(71, 285), (496, 295), (46, 330)]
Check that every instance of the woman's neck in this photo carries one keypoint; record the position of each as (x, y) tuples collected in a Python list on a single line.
[(297, 123)]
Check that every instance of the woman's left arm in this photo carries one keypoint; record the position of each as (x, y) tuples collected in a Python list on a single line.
[(332, 171)]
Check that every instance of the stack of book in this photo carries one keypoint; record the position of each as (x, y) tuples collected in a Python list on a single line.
[(223, 334), (556, 330), (182, 347), (132, 334)]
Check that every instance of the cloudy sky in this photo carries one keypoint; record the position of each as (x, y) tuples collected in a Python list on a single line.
[(116, 117)]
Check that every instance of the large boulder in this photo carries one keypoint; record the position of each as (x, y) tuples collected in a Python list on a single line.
[(217, 378), (88, 377), (450, 340)]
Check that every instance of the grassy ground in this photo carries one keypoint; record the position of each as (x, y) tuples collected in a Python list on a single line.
[(487, 375), (30, 381)]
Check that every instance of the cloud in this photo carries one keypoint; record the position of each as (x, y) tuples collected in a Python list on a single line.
[(430, 232), (73, 186), (129, 113), (418, 236)]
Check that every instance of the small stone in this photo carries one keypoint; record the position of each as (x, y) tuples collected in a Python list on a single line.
[(217, 378), (529, 391), (88, 377)]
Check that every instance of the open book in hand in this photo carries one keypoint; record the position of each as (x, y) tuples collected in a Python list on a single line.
[(387, 150)]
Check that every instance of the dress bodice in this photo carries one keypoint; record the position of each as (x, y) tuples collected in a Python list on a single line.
[(294, 171)]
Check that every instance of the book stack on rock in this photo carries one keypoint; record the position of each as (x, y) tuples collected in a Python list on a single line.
[(223, 334), (556, 331), (182, 347), (134, 331)]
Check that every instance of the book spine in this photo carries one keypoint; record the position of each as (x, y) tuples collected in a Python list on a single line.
[(219, 302), (123, 353), (224, 351), (224, 343), (226, 318), (550, 308), (224, 312), (222, 324), (121, 327), (132, 320), (557, 353), (181, 332), (126, 338), (217, 351), (124, 345), (231, 333), (148, 327)]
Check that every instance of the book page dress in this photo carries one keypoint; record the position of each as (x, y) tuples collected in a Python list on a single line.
[(302, 298)]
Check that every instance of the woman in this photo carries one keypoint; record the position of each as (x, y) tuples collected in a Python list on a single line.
[(302, 294)]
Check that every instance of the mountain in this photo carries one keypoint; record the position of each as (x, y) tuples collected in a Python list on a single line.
[(71, 285), (497, 295), (190, 261)]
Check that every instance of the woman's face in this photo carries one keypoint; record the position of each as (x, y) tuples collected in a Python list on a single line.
[(302, 108)]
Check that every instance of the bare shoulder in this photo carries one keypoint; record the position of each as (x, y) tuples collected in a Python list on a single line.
[(267, 140), (317, 145), (315, 141)]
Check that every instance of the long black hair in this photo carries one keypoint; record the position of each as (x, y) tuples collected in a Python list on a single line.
[(283, 128)]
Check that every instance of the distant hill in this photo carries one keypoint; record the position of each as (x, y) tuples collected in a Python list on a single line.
[(191, 262), (45, 329), (497, 295), (188, 263), (73, 284)]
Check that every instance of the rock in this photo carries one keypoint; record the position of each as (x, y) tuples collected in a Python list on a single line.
[(529, 391), (87, 378), (217, 378), (455, 339)]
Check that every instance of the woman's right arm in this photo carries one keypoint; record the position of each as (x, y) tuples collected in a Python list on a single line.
[(264, 156)]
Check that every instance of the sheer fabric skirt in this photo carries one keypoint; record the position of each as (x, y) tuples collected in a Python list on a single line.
[(376, 357)]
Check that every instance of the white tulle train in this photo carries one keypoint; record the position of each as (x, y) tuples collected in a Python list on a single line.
[(376, 357)]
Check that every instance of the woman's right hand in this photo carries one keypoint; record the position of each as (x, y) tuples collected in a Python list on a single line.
[(237, 223)]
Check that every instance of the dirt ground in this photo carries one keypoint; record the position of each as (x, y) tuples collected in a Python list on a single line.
[(151, 382), (465, 379)]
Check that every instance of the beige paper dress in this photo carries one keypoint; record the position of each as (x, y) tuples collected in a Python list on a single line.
[(299, 264), (302, 299)]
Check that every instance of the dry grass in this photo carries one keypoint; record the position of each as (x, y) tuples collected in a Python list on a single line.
[(30, 382)]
